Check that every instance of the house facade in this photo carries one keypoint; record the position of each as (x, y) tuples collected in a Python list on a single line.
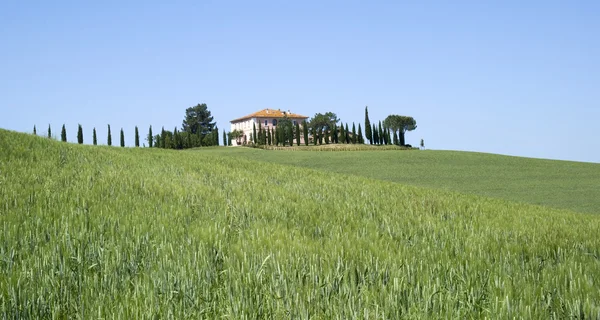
[(267, 118)]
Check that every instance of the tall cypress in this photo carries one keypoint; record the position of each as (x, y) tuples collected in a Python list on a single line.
[(380, 133), (109, 138), (342, 134), (122, 138), (360, 135), (150, 137), (297, 133), (275, 136), (137, 137), (375, 135), (315, 136), (49, 132), (354, 140), (254, 132), (259, 138), (80, 135), (163, 136), (347, 133), (368, 131), (224, 138), (396, 142), (94, 137), (305, 129), (34, 131), (63, 134)]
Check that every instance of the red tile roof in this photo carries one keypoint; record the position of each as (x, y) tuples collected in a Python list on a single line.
[(270, 113)]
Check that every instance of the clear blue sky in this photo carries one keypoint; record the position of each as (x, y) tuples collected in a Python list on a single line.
[(510, 77)]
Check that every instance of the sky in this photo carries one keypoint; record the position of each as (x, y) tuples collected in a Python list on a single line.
[(511, 77)]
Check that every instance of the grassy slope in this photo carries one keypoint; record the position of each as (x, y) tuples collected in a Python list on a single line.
[(95, 232), (559, 184)]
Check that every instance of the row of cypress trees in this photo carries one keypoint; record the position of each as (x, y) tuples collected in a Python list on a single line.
[(63, 135)]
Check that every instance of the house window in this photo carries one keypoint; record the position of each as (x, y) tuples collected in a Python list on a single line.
[(294, 122), (266, 123), (274, 122)]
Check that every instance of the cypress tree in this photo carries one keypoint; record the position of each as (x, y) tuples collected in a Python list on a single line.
[(150, 137), (216, 136), (354, 140), (342, 134), (163, 138), (137, 137), (224, 138), (360, 135), (315, 136), (375, 136), (275, 136), (63, 134), (122, 138), (259, 139), (109, 139), (291, 135), (305, 129), (347, 133), (334, 134), (297, 133), (34, 131), (80, 135), (368, 131), (254, 133), (380, 133), (49, 132), (94, 137), (396, 137)]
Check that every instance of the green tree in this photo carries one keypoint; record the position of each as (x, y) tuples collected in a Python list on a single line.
[(396, 141), (305, 132), (354, 140), (402, 124), (342, 137), (122, 138), (375, 134), (298, 133), (368, 131), (198, 120), (137, 137), (347, 133), (163, 141), (79, 134), (94, 137), (360, 135), (322, 123), (380, 134), (34, 131), (253, 132), (150, 137), (49, 132), (63, 134), (109, 138), (224, 138)]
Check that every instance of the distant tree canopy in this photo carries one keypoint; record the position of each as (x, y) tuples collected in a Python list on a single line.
[(199, 122), (321, 124), (400, 124)]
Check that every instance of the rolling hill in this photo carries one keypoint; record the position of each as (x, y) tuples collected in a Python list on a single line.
[(98, 232)]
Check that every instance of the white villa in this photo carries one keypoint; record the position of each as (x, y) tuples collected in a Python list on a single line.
[(267, 119)]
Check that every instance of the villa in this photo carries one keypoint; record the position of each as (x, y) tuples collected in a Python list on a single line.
[(267, 118)]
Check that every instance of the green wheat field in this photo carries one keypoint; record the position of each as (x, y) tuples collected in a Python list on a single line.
[(91, 232)]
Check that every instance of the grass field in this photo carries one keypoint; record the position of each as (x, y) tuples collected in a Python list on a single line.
[(106, 232), (560, 184)]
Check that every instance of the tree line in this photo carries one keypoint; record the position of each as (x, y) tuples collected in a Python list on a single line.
[(326, 128), (198, 130)]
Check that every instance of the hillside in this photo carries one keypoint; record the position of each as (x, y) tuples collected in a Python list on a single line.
[(559, 184), (107, 232)]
